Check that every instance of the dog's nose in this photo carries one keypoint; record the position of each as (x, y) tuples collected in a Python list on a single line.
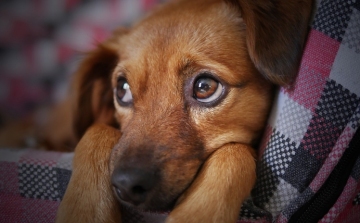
[(133, 185)]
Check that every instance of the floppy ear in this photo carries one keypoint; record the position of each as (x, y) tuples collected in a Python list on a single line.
[(93, 94), (275, 34)]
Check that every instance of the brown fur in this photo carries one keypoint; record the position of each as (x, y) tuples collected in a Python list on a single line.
[(201, 155), (91, 202)]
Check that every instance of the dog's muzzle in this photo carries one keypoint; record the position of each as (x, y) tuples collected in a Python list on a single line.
[(133, 185)]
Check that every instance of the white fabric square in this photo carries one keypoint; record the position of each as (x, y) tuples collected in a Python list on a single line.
[(65, 161), (346, 69), (283, 195), (293, 120)]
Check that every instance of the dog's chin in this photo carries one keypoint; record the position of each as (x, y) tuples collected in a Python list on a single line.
[(152, 205)]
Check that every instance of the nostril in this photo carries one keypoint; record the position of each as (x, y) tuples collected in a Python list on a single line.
[(138, 190)]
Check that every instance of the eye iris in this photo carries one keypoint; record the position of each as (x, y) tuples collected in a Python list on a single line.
[(123, 92), (121, 89), (204, 88)]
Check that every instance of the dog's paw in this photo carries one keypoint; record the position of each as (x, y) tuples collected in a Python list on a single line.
[(89, 197), (217, 193)]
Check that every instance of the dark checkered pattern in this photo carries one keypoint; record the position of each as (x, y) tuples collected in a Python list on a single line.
[(32, 183), (311, 127), (332, 18)]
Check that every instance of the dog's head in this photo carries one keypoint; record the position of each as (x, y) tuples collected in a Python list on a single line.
[(188, 79)]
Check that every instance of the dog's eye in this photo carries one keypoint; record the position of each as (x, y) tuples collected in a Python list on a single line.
[(206, 89), (123, 92)]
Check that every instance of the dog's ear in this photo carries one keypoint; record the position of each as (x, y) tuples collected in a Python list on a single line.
[(92, 91), (275, 34)]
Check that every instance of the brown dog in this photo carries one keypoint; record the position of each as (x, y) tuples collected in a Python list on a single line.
[(191, 87)]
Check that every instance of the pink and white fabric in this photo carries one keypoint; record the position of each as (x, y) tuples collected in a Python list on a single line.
[(309, 165)]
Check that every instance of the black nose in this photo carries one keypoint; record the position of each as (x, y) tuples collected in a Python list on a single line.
[(133, 185)]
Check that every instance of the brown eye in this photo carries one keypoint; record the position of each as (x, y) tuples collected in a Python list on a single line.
[(207, 89), (123, 92)]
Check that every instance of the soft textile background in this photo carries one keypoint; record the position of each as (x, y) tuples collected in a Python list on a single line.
[(41, 42), (313, 128)]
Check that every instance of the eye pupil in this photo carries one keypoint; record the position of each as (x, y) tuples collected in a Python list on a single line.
[(204, 87)]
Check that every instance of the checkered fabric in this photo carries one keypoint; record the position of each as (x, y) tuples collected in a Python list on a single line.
[(32, 184), (315, 123), (311, 143)]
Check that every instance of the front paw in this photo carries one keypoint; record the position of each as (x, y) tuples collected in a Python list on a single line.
[(89, 196), (217, 193)]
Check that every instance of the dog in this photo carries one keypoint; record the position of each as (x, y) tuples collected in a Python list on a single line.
[(172, 108)]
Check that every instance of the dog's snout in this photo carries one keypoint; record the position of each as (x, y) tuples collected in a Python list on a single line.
[(133, 185)]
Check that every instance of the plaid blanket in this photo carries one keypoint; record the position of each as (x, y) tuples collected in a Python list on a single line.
[(309, 165), (32, 184)]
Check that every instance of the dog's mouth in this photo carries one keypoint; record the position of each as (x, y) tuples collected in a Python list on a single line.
[(152, 206), (138, 200)]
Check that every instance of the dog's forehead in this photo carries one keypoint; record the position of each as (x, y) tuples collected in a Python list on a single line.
[(172, 36)]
